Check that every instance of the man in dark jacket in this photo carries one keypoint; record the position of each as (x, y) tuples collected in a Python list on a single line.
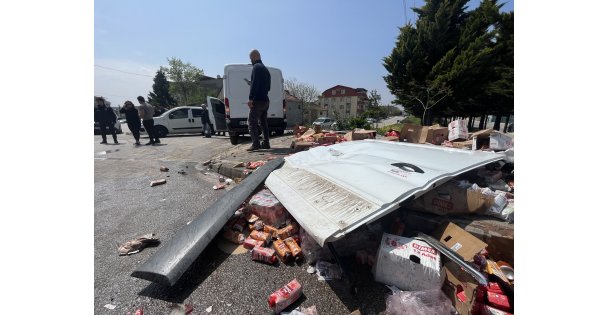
[(205, 121), (258, 102), (106, 118)]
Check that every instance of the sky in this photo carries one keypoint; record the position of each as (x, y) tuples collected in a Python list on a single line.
[(322, 43)]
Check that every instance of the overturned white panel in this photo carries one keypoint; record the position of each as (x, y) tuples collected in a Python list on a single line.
[(333, 190)]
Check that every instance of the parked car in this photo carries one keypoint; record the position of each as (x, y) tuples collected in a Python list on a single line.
[(370, 120), (182, 119), (117, 128), (324, 122)]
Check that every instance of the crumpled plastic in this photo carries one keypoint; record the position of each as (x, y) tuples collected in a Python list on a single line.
[(136, 245), (419, 303)]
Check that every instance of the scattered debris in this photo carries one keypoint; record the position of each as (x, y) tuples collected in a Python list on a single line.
[(419, 302), (219, 186), (254, 165), (206, 162), (222, 179), (158, 182), (209, 309), (237, 180), (228, 181), (302, 311), (206, 173), (285, 296), (164, 169), (240, 164), (181, 172), (110, 306), (327, 271), (181, 309), (311, 269), (136, 245)]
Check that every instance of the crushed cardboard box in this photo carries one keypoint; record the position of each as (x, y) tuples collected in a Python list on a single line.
[(450, 198), (460, 241), (434, 134)]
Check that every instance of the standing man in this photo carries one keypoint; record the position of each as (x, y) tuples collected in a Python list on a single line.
[(205, 121), (258, 102), (106, 118), (146, 112)]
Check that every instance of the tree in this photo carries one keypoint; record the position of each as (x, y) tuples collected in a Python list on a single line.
[(160, 95), (455, 62), (374, 98), (185, 81), (307, 93)]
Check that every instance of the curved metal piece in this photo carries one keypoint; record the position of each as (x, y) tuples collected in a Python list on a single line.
[(170, 262), (408, 167), (453, 257)]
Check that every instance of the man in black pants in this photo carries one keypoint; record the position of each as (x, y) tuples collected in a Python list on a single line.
[(146, 112), (106, 118), (258, 102)]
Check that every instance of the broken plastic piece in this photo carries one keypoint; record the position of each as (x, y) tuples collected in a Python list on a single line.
[(136, 245), (158, 182)]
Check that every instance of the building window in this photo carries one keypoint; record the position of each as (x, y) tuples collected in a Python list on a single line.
[(333, 92), (343, 91)]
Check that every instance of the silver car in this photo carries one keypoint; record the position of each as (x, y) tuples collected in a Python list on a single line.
[(324, 122)]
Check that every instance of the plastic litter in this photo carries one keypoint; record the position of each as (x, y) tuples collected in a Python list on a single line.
[(110, 306), (419, 303), (209, 309), (219, 186), (327, 271), (136, 245), (181, 309)]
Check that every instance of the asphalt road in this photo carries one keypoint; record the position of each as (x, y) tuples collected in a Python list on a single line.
[(127, 207)]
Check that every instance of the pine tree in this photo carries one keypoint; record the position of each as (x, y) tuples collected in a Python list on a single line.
[(160, 95)]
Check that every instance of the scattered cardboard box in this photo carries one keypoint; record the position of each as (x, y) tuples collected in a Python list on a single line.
[(459, 287), (459, 240), (408, 264), (449, 198), (500, 141), (423, 134), (300, 146)]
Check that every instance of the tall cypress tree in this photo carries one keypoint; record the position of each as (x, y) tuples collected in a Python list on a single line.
[(455, 62), (160, 95)]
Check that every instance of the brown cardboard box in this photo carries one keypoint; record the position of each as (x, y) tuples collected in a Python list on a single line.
[(459, 287), (434, 134), (437, 134), (451, 199), (412, 133), (362, 134), (463, 144), (460, 241)]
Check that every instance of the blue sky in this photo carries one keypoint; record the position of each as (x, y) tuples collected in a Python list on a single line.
[(322, 43)]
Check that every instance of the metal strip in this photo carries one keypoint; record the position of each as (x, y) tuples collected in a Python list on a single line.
[(453, 257), (170, 262)]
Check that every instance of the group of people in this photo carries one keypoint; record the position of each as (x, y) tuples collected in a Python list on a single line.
[(258, 111), (135, 116)]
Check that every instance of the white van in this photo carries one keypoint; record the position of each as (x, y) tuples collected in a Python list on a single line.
[(230, 114)]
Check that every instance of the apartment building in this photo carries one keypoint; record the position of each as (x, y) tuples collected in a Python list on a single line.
[(343, 102)]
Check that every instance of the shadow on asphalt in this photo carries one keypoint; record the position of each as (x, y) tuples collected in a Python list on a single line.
[(201, 268), (360, 292)]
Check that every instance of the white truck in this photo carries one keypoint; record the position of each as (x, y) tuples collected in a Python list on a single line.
[(230, 114)]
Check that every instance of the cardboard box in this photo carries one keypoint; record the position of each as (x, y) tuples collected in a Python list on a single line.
[(500, 141), (408, 264), (449, 198), (362, 134), (460, 288), (468, 144), (460, 241), (423, 134), (436, 134), (412, 133), (458, 130)]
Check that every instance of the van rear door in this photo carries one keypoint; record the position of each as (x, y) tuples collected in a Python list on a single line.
[(238, 80), (275, 110), (217, 113)]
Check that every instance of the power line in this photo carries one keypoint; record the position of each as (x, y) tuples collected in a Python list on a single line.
[(143, 75)]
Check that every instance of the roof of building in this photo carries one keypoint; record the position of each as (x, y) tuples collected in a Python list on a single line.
[(348, 91)]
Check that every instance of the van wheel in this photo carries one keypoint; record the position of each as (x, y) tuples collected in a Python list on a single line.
[(161, 131), (234, 138)]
